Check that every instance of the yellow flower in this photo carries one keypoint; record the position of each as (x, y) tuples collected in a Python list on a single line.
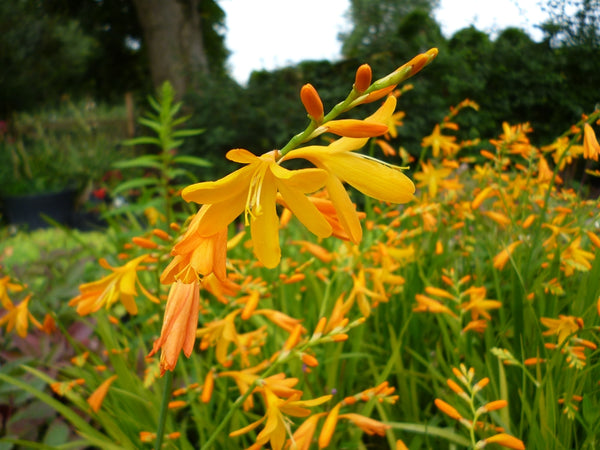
[(437, 141), (426, 304), (253, 189), (563, 327), (5, 287), (432, 177), (478, 304), (276, 426), (179, 324), (18, 317), (119, 285), (368, 175), (575, 258)]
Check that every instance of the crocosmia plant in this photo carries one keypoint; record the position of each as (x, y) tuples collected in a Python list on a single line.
[(337, 292)]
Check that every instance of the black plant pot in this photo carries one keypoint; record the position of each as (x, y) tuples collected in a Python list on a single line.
[(29, 210)]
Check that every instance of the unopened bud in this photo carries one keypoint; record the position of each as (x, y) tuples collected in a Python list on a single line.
[(312, 102), (363, 78)]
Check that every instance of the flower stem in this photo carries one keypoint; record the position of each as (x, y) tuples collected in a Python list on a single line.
[(162, 418)]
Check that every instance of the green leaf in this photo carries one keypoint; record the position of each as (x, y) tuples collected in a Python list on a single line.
[(185, 133), (146, 161), (73, 417), (156, 126), (134, 184), (193, 160), (444, 433), (142, 140)]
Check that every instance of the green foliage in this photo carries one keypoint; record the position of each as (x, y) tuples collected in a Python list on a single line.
[(159, 174), (67, 147), (42, 55), (375, 25)]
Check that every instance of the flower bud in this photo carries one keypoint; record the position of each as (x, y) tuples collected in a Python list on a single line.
[(363, 78), (312, 102)]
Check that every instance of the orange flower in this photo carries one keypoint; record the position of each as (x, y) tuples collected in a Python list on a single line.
[(205, 253), (119, 285), (18, 317), (179, 324), (591, 148), (502, 258), (95, 400)]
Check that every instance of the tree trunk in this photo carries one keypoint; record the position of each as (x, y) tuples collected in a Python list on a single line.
[(173, 38)]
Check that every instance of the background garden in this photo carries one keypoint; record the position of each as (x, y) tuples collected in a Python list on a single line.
[(466, 317)]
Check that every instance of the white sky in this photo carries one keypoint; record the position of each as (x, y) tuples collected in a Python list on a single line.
[(268, 34)]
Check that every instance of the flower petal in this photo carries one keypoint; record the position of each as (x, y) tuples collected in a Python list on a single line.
[(264, 225), (372, 177), (305, 211), (345, 209), (220, 190), (241, 155)]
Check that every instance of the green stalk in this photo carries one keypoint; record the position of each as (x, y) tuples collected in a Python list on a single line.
[(162, 418)]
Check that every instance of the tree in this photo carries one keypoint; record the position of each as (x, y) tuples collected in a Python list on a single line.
[(175, 34), (375, 22), (573, 22), (41, 55)]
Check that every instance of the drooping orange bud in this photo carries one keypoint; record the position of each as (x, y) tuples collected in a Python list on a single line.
[(207, 388), (329, 426), (175, 404), (309, 360), (506, 440), (447, 409), (312, 102), (144, 243), (161, 234), (355, 128), (496, 404), (363, 78), (294, 337)]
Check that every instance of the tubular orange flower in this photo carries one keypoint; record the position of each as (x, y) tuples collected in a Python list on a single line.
[(591, 148), (370, 176), (205, 254), (179, 324), (254, 189), (97, 398), (119, 285)]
